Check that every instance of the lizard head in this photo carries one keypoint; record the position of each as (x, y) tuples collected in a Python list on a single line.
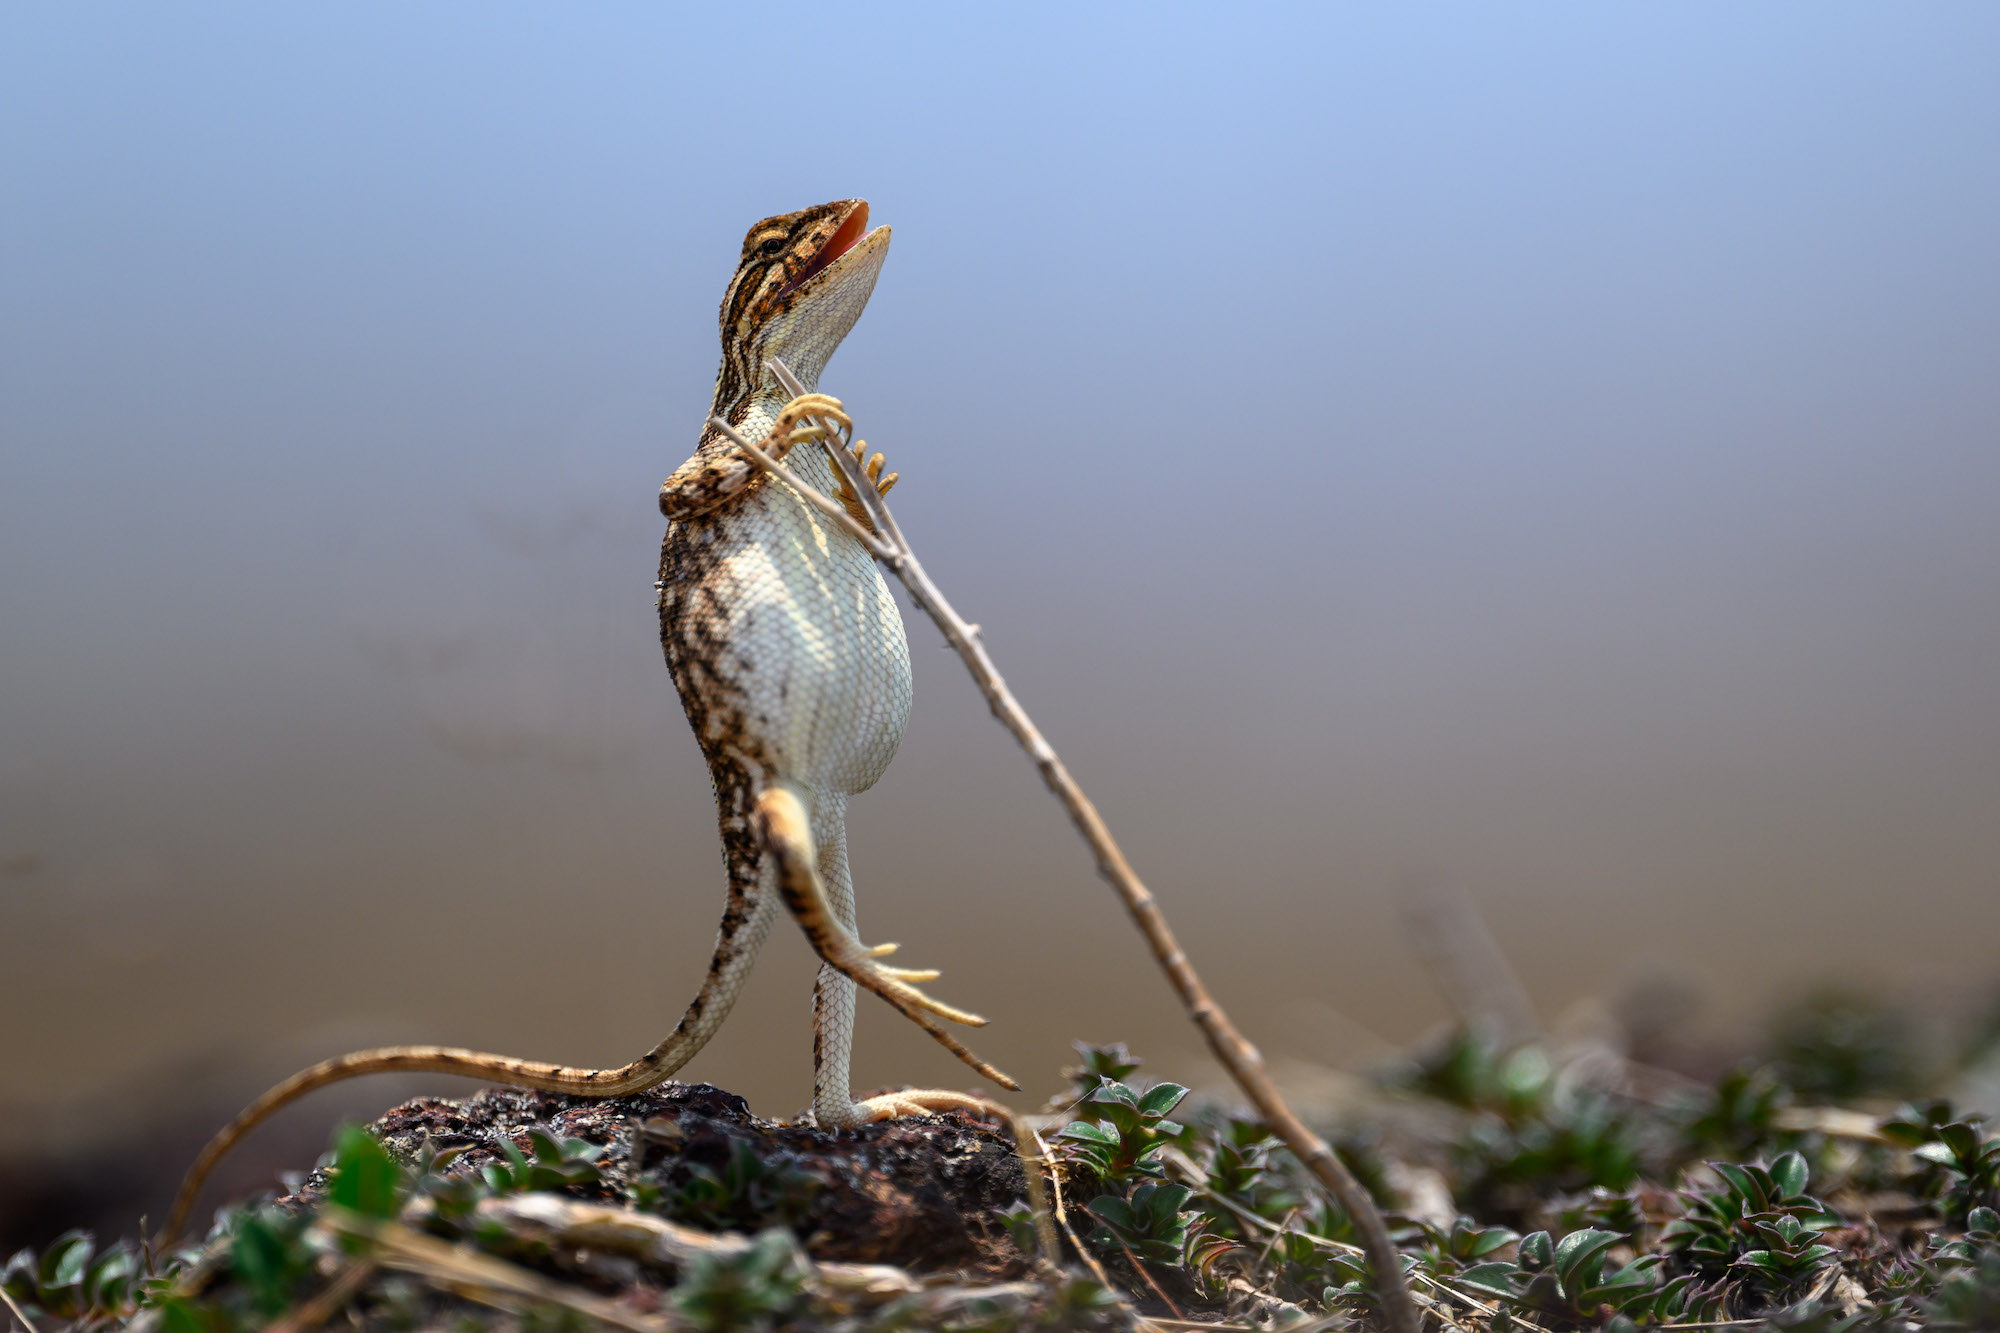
[(802, 282)]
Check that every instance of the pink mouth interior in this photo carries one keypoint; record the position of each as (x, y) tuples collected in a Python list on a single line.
[(850, 233)]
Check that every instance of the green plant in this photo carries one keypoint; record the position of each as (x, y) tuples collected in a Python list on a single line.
[(1838, 1045), (1531, 1128), (1125, 1132), (1981, 1238), (1465, 1253), (1758, 1223), (1570, 1279), (748, 1191), (269, 1261), (1078, 1302), (1352, 1287), (1239, 1161), (750, 1290), (1239, 1170), (549, 1164), (1018, 1218), (72, 1281), (1970, 1178), (1577, 1140), (1470, 1070), (1968, 1298), (1740, 1118), (1790, 1253), (1150, 1224), (1100, 1065), (364, 1178)]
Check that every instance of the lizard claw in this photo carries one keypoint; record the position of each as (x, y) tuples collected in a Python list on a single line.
[(893, 983), (873, 470), (787, 430), (781, 822), (925, 1101), (902, 973)]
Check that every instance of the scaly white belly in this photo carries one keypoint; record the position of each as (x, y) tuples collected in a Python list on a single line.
[(816, 652)]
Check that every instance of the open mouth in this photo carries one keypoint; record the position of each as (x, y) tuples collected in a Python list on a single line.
[(849, 234)]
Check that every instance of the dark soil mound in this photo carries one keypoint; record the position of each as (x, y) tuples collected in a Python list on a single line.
[(917, 1193)]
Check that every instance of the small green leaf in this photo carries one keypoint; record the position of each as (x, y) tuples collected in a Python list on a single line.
[(1738, 1179), (257, 1253), (1162, 1098), (1576, 1252), (1487, 1241), (1495, 1277), (364, 1177), (1758, 1259), (1537, 1249), (178, 1316), (1789, 1173), (1982, 1219), (1114, 1210), (1961, 1138), (1089, 1131), (66, 1260), (1115, 1094)]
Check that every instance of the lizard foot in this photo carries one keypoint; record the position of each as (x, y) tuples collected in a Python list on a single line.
[(781, 821), (787, 431), (925, 1101), (873, 468)]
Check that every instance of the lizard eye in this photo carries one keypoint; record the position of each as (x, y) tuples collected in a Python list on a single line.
[(772, 246)]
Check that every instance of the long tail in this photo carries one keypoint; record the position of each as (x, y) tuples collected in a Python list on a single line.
[(746, 921)]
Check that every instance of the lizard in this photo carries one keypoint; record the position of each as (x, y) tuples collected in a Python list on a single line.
[(791, 663)]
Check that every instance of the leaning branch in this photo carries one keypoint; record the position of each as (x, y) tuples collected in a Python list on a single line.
[(1238, 1056)]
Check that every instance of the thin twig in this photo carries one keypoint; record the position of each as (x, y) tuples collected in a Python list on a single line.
[(1140, 1269), (1237, 1055), (483, 1278), (1342, 1247), (1294, 1316), (310, 1314), (1083, 1251), (1272, 1244), (818, 499), (1031, 1170), (26, 1322)]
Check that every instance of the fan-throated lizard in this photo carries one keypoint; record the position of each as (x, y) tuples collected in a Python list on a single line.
[(791, 663)]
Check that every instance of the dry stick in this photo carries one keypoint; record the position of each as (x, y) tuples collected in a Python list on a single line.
[(346, 1284), (1255, 1222), (483, 1278), (1238, 1056), (26, 1322), (1031, 1172), (1096, 1269)]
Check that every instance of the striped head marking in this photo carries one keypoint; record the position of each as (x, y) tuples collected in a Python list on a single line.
[(803, 280)]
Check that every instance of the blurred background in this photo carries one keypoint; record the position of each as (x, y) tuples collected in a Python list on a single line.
[(1547, 458)]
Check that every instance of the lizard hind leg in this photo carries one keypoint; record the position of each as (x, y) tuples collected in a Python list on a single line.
[(782, 822)]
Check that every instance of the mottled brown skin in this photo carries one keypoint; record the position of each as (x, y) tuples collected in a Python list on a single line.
[(787, 263)]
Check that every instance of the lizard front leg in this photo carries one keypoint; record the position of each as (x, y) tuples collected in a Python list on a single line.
[(786, 831), (719, 473)]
